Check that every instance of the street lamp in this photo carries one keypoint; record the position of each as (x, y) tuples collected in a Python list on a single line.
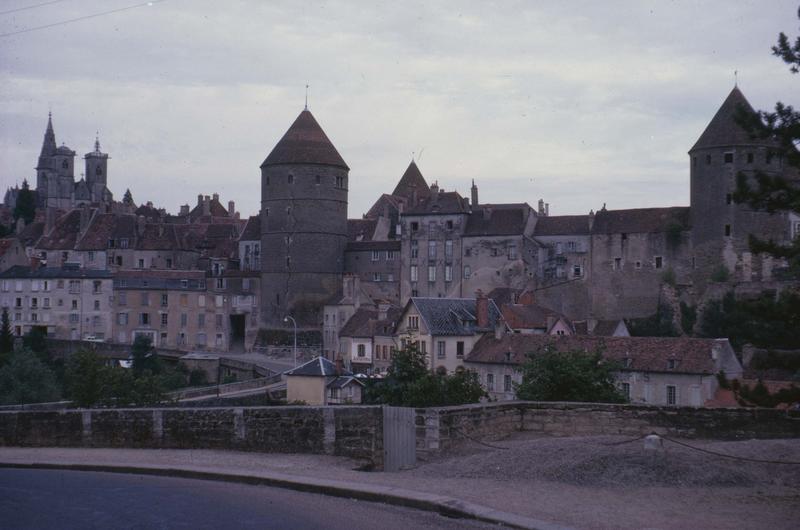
[(286, 319)]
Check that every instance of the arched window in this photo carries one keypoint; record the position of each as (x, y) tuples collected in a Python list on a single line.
[(98, 171), (65, 164)]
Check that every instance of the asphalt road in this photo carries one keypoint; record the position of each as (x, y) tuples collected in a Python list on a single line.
[(44, 499)]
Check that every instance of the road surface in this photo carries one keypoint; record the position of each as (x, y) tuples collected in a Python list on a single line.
[(44, 499)]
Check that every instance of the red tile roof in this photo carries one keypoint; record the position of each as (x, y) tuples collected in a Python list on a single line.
[(305, 143), (559, 225), (412, 181)]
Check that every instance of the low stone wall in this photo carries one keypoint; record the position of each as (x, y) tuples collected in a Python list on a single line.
[(441, 428), (355, 432)]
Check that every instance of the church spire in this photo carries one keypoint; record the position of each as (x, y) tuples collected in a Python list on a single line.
[(97, 142), (49, 144)]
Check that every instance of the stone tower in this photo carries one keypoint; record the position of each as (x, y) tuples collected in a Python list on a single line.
[(55, 172), (720, 227), (304, 225), (97, 172)]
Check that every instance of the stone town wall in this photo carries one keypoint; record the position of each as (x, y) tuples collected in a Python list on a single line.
[(355, 432), (441, 428)]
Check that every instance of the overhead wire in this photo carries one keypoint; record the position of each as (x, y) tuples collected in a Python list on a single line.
[(15, 10), (85, 17)]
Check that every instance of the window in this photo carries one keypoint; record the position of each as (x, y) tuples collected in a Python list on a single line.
[(389, 277), (34, 317), (140, 263), (97, 305), (441, 351), (184, 319), (201, 320), (218, 300), (220, 283), (507, 383), (708, 160), (659, 262), (460, 349), (164, 300), (729, 158), (672, 364), (74, 304), (34, 303), (431, 273), (144, 319), (218, 319), (340, 182), (448, 248), (46, 303), (164, 319), (376, 255), (318, 180), (617, 264), (512, 252), (201, 300), (577, 271), (123, 243), (97, 286), (414, 248), (769, 158), (362, 350), (749, 158), (145, 298), (390, 254), (413, 322), (376, 276), (414, 226), (496, 253), (414, 273), (74, 286), (201, 339), (65, 165), (448, 273), (672, 395), (431, 249), (169, 263), (290, 179), (728, 198), (91, 255), (638, 265), (449, 225), (467, 272), (626, 390), (490, 382), (122, 298), (727, 230), (122, 319)]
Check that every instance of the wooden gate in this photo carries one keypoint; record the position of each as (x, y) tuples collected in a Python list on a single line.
[(399, 438)]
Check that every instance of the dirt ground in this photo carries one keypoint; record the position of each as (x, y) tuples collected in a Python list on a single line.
[(598, 482)]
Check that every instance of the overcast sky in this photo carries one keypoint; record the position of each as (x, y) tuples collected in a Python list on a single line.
[(579, 103)]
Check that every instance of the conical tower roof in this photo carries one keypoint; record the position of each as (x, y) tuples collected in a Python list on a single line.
[(723, 130), (49, 145), (411, 181), (305, 143)]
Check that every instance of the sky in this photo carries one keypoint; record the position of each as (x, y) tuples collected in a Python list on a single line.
[(578, 103)]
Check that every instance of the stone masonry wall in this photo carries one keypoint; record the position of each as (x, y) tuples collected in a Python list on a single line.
[(441, 428), (355, 432)]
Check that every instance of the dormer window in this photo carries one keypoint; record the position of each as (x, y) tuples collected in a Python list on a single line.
[(672, 364), (627, 362)]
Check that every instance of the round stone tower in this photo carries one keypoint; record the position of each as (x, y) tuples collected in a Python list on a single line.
[(720, 227), (303, 225)]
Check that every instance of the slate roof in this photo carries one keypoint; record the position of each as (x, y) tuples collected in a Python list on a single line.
[(19, 271), (640, 220), (360, 229), (159, 236), (215, 209), (561, 225), (320, 367), (648, 354), (452, 316), (365, 323), (343, 381), (32, 233), (500, 222), (385, 201), (64, 234), (98, 233), (411, 181), (723, 131), (305, 143), (252, 230), (443, 202), (534, 316)]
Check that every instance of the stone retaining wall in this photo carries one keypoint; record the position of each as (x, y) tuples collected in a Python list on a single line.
[(355, 432), (441, 428)]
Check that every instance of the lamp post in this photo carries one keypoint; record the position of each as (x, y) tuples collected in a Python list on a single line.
[(287, 318)]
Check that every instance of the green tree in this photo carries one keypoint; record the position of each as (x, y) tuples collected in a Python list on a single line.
[(26, 204), (551, 375), (26, 379), (127, 199), (410, 383), (773, 193), (6, 338), (85, 379), (145, 360), (36, 341), (659, 324)]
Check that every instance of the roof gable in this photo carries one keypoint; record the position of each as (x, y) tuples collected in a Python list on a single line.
[(319, 367), (412, 181)]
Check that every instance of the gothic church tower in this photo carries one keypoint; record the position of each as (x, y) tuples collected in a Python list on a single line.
[(304, 225)]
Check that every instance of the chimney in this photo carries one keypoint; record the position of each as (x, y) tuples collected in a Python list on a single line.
[(474, 194), (546, 209), (499, 329), (216, 197), (383, 310), (339, 365), (49, 219), (206, 205), (200, 199), (86, 215), (482, 309), (140, 225), (149, 204), (591, 219), (185, 209), (434, 188), (20, 225), (231, 208), (541, 207)]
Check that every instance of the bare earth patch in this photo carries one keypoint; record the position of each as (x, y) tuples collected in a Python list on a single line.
[(595, 482)]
